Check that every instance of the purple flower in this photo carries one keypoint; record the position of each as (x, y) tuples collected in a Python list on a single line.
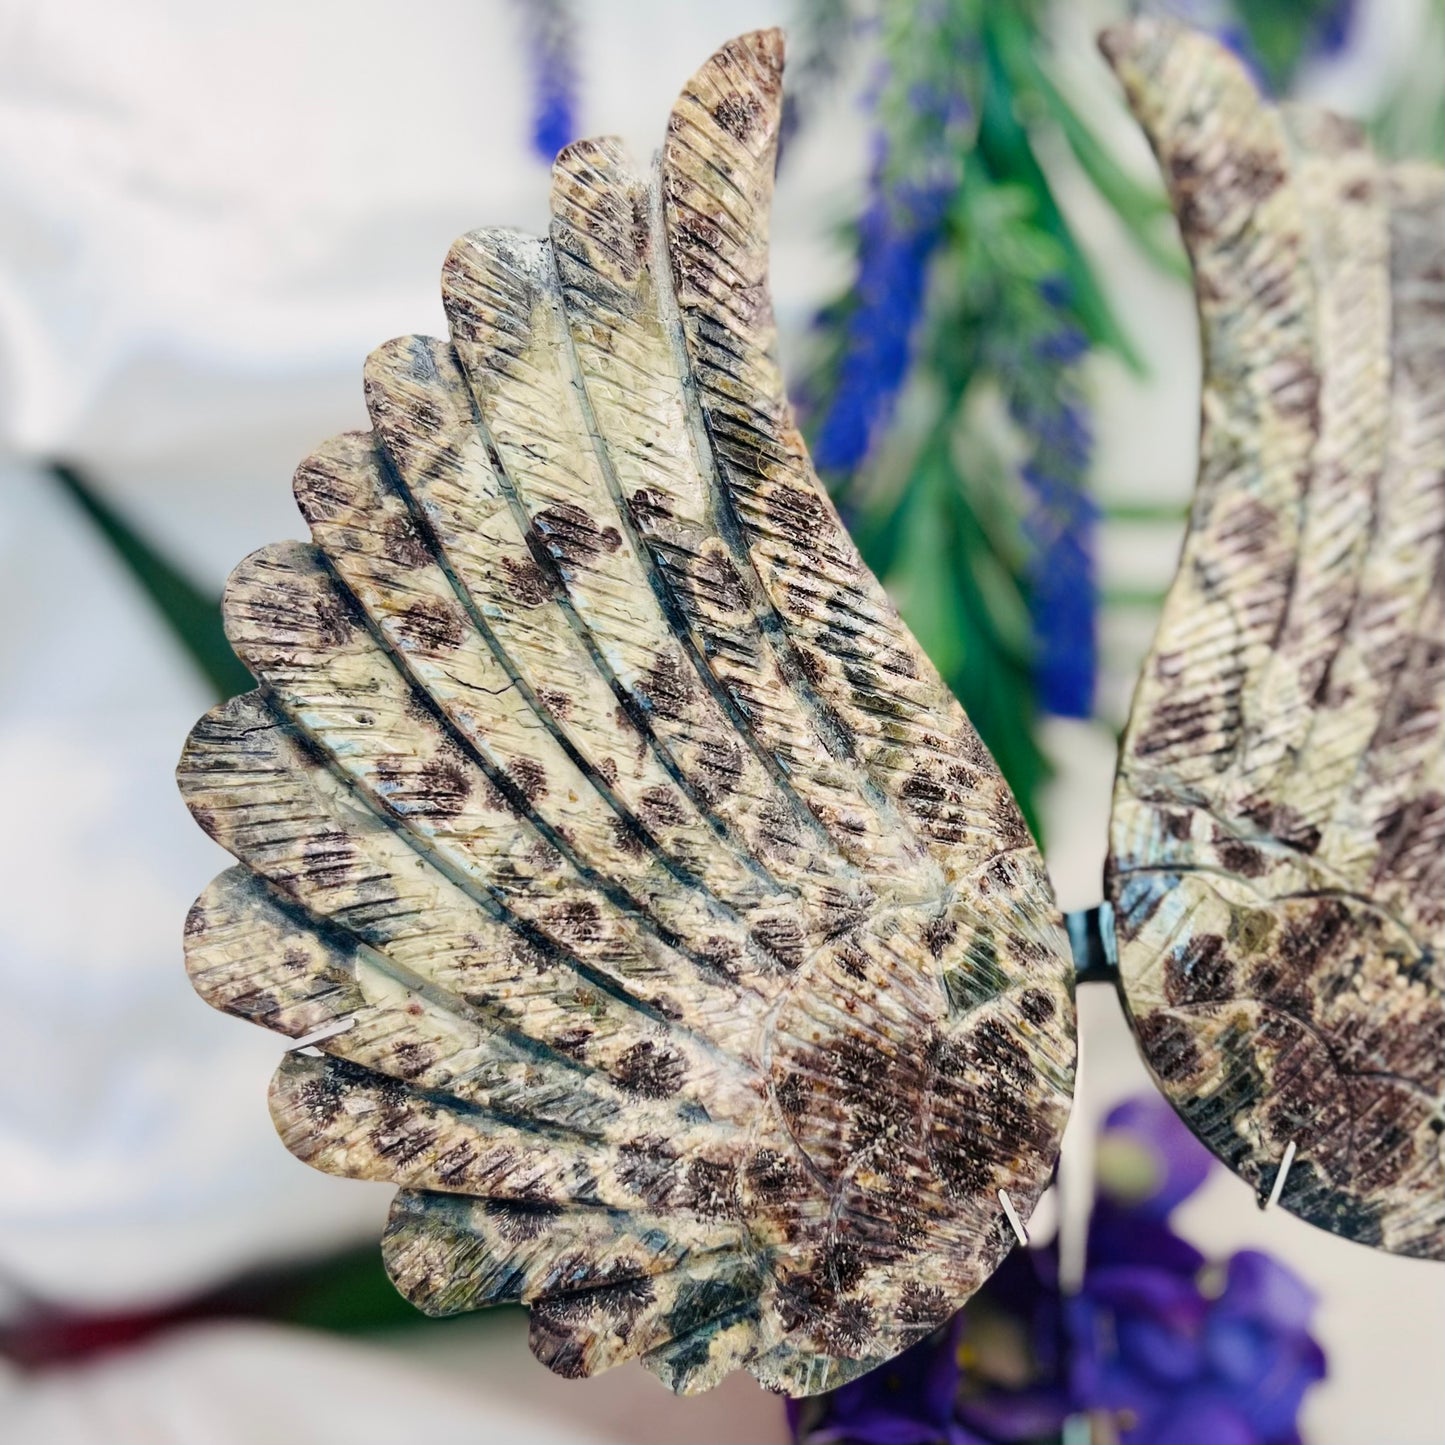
[(1063, 596), (898, 232), (918, 147), (1335, 27), (1148, 1161), (1045, 403), (550, 33), (897, 236), (1011, 1390), (1170, 1354), (1257, 1341), (909, 1401)]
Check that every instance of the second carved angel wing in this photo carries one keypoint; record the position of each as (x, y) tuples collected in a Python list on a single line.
[(1278, 841)]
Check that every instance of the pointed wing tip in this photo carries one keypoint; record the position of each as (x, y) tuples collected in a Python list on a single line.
[(766, 48), (1143, 45), (769, 44), (220, 716), (755, 59), (463, 253), (248, 579), (1137, 41), (761, 53), (1152, 54)]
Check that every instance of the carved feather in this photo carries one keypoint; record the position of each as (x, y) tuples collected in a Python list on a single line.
[(1278, 837), (703, 986)]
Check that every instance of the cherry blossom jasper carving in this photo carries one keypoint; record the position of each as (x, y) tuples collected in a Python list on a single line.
[(1278, 849), (703, 987)]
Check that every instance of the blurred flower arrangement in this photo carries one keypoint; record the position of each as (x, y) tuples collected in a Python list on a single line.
[(971, 290), (1155, 1346), (947, 407)]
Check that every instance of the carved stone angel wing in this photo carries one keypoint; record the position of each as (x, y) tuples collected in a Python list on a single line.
[(702, 985), (1278, 840)]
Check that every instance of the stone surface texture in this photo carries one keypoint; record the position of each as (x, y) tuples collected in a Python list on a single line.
[(1278, 836), (702, 984)]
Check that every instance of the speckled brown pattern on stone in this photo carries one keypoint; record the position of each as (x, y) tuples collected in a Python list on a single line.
[(703, 985), (1278, 848)]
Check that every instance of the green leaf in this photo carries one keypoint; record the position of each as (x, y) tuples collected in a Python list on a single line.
[(1410, 123), (1143, 511), (1149, 599), (192, 615), (1005, 148), (1143, 210)]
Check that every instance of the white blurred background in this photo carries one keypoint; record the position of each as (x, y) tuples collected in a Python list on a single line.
[(208, 216)]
